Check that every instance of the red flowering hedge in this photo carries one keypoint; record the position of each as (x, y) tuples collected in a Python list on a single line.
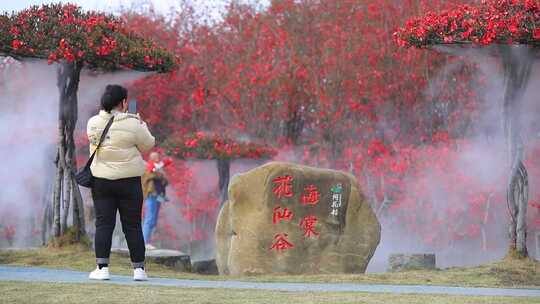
[(64, 32), (201, 145), (493, 21)]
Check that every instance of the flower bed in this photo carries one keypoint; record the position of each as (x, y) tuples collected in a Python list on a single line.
[(211, 146), (493, 21), (65, 32)]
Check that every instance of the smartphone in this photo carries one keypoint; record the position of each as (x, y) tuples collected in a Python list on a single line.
[(132, 107)]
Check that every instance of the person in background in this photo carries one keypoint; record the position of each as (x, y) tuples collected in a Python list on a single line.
[(154, 184), (117, 168)]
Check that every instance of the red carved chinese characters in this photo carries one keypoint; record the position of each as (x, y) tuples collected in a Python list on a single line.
[(308, 224), (283, 186), (282, 214), (281, 243), (311, 195)]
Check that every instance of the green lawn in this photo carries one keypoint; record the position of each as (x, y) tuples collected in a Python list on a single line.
[(17, 292), (506, 273)]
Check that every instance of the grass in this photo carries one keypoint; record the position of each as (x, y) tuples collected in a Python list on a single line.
[(510, 272), (45, 293)]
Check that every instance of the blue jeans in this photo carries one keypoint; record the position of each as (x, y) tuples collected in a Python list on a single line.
[(150, 217)]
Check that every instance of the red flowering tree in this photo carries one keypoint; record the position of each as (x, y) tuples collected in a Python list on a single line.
[(295, 74), (174, 103), (509, 30), (322, 79), (223, 149), (74, 39), (200, 207)]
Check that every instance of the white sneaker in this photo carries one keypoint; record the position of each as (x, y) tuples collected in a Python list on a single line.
[(149, 247), (100, 274), (139, 275)]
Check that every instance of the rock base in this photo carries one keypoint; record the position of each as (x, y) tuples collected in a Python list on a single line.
[(176, 260), (205, 267), (401, 262)]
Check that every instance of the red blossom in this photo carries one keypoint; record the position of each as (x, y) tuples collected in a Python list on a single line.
[(489, 22), (536, 34), (59, 32), (16, 44)]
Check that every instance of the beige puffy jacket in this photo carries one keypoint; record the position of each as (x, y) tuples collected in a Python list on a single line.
[(120, 153)]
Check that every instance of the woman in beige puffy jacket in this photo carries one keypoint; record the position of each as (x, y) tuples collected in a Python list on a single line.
[(117, 168)]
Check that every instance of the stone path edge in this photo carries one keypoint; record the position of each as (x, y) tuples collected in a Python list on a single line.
[(45, 275)]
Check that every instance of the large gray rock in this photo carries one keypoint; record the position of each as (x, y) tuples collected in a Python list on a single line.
[(401, 262), (318, 221)]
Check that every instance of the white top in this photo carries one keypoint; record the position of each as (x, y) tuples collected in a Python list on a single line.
[(120, 153)]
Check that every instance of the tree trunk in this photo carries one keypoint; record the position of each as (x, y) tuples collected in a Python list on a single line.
[(294, 126), (517, 62), (484, 222), (66, 191), (224, 172), (66, 201), (386, 200), (57, 193), (46, 225), (370, 186), (78, 209)]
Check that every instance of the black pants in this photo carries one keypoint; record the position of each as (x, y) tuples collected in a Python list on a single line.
[(124, 195)]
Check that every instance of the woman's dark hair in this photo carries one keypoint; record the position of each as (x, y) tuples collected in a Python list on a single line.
[(114, 94)]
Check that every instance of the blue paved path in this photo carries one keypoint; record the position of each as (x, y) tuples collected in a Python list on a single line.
[(32, 274)]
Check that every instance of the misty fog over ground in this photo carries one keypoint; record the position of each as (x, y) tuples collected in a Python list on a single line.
[(28, 128)]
